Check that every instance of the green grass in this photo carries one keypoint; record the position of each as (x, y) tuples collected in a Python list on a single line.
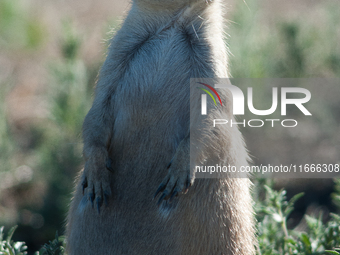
[(17, 28), (298, 47), (275, 238)]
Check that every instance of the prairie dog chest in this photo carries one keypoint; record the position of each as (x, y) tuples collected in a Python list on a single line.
[(155, 89), (157, 77)]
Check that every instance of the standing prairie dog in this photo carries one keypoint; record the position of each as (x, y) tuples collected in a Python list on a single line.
[(137, 143)]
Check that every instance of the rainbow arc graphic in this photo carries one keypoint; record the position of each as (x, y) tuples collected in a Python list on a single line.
[(209, 93), (204, 97)]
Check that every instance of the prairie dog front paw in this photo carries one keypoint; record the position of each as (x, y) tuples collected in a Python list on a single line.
[(96, 180), (179, 177)]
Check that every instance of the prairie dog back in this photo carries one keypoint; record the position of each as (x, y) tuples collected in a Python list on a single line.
[(137, 143)]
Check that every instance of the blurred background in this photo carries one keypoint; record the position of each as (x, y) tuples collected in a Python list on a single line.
[(50, 54)]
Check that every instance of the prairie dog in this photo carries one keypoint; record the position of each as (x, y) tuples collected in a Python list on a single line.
[(137, 143)]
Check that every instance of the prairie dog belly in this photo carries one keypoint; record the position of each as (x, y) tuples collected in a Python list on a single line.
[(152, 100)]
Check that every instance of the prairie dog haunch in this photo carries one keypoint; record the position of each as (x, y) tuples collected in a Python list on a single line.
[(137, 143)]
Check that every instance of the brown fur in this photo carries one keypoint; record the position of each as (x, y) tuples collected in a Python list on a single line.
[(139, 122)]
